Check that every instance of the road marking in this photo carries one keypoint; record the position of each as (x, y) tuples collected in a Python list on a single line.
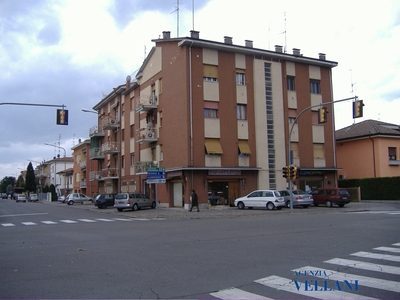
[(387, 212), (377, 256), (68, 221), (29, 223), (388, 249), (397, 244), (23, 215), (377, 283), (234, 293), (105, 220), (364, 265), (7, 224), (49, 222), (87, 220), (288, 285), (117, 219)]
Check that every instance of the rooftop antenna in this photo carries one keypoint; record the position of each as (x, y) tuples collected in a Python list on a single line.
[(177, 17), (352, 83), (285, 33), (193, 15)]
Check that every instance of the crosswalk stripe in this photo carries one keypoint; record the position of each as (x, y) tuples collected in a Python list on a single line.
[(7, 224), (68, 221), (397, 244), (87, 220), (377, 256), (49, 222), (288, 285), (390, 212), (29, 223), (234, 293), (388, 249), (364, 265), (105, 220), (377, 283), (118, 219)]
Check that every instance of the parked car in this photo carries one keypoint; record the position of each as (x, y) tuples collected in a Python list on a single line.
[(20, 198), (77, 198), (61, 199), (261, 198), (33, 198), (104, 200), (133, 201), (331, 196), (4, 196), (300, 198)]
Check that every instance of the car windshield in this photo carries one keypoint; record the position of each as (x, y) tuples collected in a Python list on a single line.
[(122, 196), (277, 194), (343, 192), (298, 192)]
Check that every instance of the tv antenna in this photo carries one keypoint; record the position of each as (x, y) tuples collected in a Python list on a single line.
[(177, 17), (352, 83)]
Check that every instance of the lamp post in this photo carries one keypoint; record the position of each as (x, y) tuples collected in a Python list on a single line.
[(89, 111), (65, 164), (90, 163)]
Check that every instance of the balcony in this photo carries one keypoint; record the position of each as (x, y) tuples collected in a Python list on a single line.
[(110, 148), (82, 165), (109, 173), (146, 103), (96, 131), (146, 135), (95, 153), (393, 161), (82, 183), (142, 166), (109, 123)]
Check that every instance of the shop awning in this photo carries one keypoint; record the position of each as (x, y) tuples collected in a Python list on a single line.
[(213, 146), (244, 147)]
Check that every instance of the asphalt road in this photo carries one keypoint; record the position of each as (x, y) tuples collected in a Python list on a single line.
[(54, 251)]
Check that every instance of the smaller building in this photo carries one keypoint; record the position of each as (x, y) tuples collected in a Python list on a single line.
[(368, 149)]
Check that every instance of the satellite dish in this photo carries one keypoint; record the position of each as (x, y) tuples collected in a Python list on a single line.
[(128, 78)]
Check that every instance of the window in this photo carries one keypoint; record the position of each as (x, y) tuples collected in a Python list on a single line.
[(244, 148), (290, 83), (392, 153), (315, 87), (210, 113), (132, 131), (213, 147), (132, 160), (210, 73), (319, 152), (240, 78), (241, 112)]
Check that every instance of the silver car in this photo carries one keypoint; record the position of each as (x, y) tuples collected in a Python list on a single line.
[(133, 201), (77, 198), (300, 198)]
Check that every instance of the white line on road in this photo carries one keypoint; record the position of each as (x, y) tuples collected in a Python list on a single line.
[(23, 215), (87, 220), (377, 256), (234, 293), (7, 224), (29, 223), (388, 249), (364, 265), (49, 222), (68, 221)]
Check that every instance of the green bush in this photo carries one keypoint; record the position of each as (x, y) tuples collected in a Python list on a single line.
[(383, 188)]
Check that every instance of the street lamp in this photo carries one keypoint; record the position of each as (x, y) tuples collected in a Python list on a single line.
[(89, 111), (65, 164)]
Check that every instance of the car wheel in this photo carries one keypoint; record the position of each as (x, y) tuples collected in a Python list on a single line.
[(119, 209), (288, 204), (134, 207), (154, 205), (328, 203), (240, 205), (104, 205), (341, 205), (70, 202), (270, 206)]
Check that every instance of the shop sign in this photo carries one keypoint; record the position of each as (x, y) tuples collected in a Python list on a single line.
[(224, 172)]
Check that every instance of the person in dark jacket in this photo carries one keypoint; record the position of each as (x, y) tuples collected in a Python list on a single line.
[(195, 201)]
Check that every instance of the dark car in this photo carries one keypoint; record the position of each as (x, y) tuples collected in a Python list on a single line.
[(331, 196), (104, 200)]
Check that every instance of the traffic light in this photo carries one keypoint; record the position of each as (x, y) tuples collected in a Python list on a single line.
[(285, 172), (322, 115), (358, 109), (293, 172), (62, 117)]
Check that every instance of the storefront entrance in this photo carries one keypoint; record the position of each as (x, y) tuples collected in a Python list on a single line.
[(222, 192)]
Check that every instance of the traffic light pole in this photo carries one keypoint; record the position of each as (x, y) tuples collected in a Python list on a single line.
[(290, 139)]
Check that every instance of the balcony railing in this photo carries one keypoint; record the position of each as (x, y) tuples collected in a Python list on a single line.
[(146, 135), (82, 183), (96, 131), (146, 103), (82, 165), (142, 166), (109, 148), (109, 173), (109, 122), (95, 153)]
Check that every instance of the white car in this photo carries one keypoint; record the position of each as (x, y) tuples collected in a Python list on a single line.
[(20, 197), (261, 198)]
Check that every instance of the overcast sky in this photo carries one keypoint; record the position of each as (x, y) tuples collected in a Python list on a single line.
[(73, 52)]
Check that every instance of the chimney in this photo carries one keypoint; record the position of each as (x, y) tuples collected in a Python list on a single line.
[(248, 43), (322, 56), (166, 35), (296, 52), (228, 40), (278, 48), (194, 34)]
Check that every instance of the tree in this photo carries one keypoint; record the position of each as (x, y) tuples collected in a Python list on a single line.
[(30, 182), (6, 182)]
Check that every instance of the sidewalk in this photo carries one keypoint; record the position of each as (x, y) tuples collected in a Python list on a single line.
[(216, 212)]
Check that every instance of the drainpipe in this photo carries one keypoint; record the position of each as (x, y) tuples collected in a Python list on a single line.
[(191, 112), (373, 154)]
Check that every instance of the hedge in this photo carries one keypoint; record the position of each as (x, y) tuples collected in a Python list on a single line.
[(383, 188)]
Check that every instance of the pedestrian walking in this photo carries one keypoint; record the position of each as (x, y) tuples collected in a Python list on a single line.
[(195, 201)]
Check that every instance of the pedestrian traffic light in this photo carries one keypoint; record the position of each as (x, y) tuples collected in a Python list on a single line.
[(62, 117), (293, 172), (322, 115), (285, 172), (358, 109)]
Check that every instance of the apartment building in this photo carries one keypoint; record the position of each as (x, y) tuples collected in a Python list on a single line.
[(216, 116), (379, 143)]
